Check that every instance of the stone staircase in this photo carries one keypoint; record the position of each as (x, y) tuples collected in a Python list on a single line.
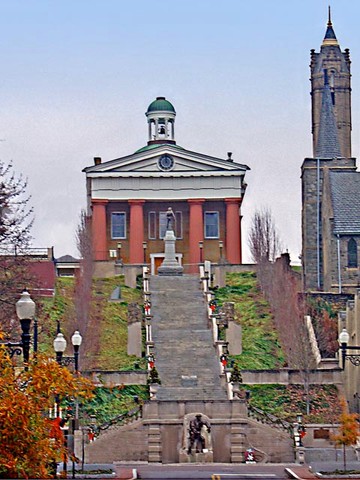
[(183, 345)]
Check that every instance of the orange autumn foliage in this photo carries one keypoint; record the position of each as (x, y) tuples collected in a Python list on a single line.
[(29, 440), (348, 430)]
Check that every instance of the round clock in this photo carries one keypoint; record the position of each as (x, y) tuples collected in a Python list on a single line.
[(166, 162)]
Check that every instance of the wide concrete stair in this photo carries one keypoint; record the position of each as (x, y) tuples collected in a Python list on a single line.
[(183, 346), (191, 382)]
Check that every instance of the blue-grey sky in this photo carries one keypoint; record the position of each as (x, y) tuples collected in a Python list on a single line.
[(78, 75)]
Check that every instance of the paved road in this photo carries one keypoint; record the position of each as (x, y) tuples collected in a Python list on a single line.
[(197, 472)]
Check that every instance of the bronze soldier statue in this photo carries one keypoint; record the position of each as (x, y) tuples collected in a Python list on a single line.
[(195, 436)]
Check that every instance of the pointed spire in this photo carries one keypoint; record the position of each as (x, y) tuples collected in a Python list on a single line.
[(330, 37), (328, 145)]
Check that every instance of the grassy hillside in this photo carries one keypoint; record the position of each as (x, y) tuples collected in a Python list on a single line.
[(111, 317), (261, 347)]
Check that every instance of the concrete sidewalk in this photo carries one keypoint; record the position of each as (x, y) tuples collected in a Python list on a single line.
[(300, 472)]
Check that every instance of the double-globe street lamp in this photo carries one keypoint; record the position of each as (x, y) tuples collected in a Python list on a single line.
[(60, 344)]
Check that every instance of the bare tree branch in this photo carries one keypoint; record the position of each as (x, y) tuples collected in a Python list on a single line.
[(264, 241), (16, 219)]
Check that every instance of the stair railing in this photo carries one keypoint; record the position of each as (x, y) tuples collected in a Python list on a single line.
[(215, 319), (147, 316), (269, 419), (122, 419)]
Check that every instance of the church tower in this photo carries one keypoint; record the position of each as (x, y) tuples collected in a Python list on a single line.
[(334, 63), (331, 131)]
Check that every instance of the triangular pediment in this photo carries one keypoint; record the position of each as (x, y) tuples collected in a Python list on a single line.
[(148, 160)]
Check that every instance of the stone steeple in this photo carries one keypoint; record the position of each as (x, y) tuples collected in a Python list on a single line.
[(337, 65), (330, 37), (327, 143), (331, 131)]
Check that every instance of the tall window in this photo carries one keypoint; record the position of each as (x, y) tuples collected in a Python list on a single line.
[(118, 225), (352, 254), (211, 222), (162, 224), (152, 225), (178, 225)]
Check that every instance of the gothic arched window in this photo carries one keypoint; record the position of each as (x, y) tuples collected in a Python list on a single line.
[(352, 254)]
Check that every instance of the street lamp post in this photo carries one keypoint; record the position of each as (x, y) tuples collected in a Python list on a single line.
[(354, 358), (201, 246), (119, 251), (35, 344), (221, 246), (60, 344), (25, 310), (344, 338), (144, 247), (76, 340), (59, 347)]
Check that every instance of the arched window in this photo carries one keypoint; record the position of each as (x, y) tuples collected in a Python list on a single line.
[(352, 254)]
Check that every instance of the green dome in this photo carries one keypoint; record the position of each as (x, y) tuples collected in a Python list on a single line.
[(160, 104)]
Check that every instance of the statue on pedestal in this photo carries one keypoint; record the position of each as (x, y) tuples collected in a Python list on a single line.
[(170, 265), (197, 435), (196, 439), (170, 219)]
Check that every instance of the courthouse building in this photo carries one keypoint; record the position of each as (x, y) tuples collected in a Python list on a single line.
[(128, 198)]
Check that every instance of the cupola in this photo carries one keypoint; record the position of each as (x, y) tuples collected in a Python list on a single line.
[(161, 119)]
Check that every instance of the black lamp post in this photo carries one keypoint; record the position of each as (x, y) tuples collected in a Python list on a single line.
[(119, 251), (144, 247), (354, 358), (221, 246), (59, 347), (25, 310), (201, 246), (76, 340)]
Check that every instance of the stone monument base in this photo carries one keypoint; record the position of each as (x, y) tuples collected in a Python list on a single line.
[(170, 266), (203, 457), (170, 271)]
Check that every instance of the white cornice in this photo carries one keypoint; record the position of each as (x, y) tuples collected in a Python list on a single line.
[(194, 173), (108, 167)]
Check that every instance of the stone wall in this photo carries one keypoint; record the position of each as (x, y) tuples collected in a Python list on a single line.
[(350, 319), (291, 377), (275, 443), (126, 443), (110, 378), (327, 375), (310, 228), (158, 437), (339, 299), (104, 269), (338, 277)]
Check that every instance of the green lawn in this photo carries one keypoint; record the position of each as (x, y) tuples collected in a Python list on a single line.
[(112, 317), (261, 347)]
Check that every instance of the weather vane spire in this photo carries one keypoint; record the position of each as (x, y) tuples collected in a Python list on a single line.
[(329, 17)]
